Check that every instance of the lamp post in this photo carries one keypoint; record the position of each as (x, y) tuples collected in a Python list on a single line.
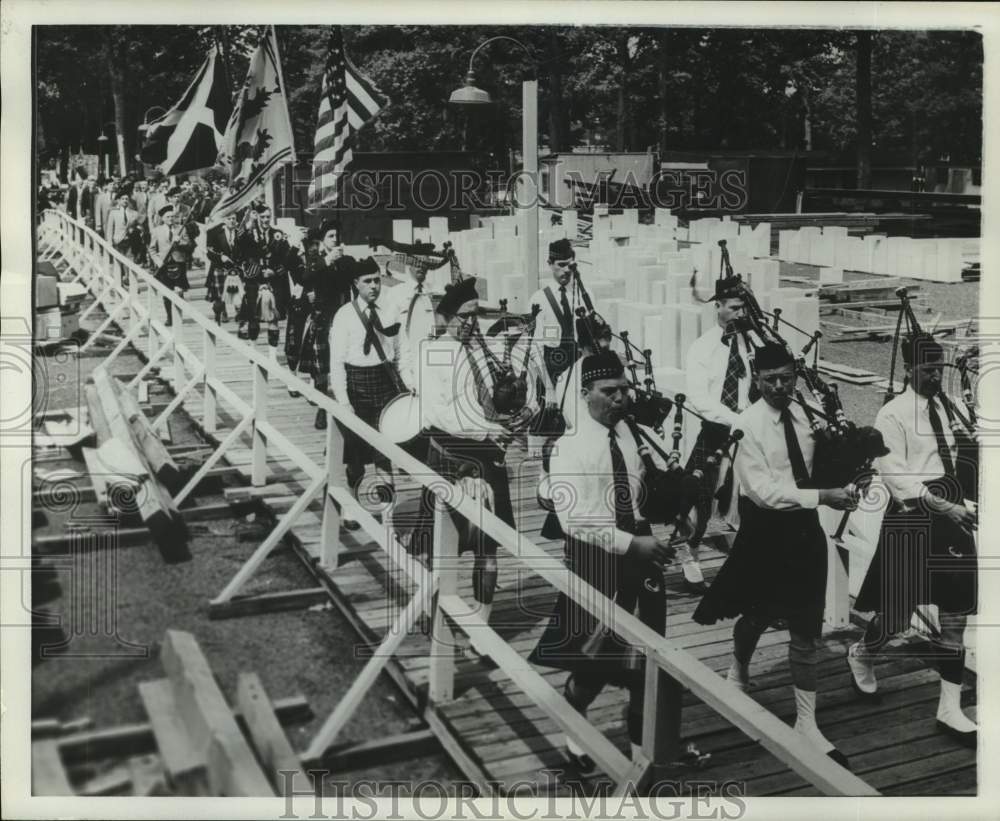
[(527, 184), (145, 126), (103, 140)]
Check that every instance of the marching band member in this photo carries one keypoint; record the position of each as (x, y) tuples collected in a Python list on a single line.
[(121, 221), (275, 256), (364, 362), (220, 248), (906, 570), (776, 569), (554, 340), (324, 285), (251, 248), (170, 251), (464, 444), (411, 306), (607, 544), (717, 371)]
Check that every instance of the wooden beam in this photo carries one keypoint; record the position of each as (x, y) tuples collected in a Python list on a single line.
[(184, 763), (381, 751), (400, 630), (275, 753), (159, 460), (269, 603), (232, 768), (48, 777)]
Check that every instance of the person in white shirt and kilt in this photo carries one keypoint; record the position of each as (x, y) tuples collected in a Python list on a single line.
[(718, 387), (776, 570), (364, 366), (220, 248), (607, 544), (466, 439), (554, 338), (170, 250), (926, 552)]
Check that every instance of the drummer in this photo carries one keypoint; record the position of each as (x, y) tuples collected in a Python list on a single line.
[(364, 363)]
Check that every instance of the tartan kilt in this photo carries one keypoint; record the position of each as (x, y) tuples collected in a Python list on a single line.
[(563, 643), (775, 570), (307, 341), (710, 437), (921, 558), (248, 305), (215, 282), (369, 389)]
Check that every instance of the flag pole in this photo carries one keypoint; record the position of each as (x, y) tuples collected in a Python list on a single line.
[(288, 115)]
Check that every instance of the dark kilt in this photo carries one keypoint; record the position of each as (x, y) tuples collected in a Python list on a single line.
[(775, 570), (307, 340), (571, 627), (369, 390), (214, 282), (174, 275), (559, 359), (710, 437), (921, 558), (453, 457)]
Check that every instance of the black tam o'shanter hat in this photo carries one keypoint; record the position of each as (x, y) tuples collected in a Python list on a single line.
[(561, 249), (919, 348), (165, 209), (456, 295), (772, 355), (730, 287), (603, 365), (327, 226), (364, 267)]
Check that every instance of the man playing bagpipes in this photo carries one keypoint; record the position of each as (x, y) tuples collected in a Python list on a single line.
[(926, 552), (276, 252), (717, 386), (554, 339), (467, 434), (777, 567), (259, 306), (608, 544), (321, 285), (170, 250), (223, 280)]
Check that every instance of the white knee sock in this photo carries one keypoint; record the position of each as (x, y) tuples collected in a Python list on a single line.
[(950, 708), (805, 722)]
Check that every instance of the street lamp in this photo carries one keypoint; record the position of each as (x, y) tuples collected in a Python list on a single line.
[(469, 94), (107, 153), (145, 126)]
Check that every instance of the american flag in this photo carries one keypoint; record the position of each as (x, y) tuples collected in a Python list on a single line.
[(347, 102)]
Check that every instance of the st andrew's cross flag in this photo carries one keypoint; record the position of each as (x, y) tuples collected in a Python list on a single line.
[(259, 135), (189, 136), (348, 101)]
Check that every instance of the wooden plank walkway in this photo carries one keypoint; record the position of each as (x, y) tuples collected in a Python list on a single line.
[(492, 730)]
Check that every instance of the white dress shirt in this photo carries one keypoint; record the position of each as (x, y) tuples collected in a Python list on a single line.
[(161, 238), (762, 466), (446, 386), (119, 220), (905, 425), (705, 374), (581, 473), (347, 344), (421, 320), (548, 331)]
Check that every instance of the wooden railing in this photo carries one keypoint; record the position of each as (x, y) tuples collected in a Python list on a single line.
[(669, 666)]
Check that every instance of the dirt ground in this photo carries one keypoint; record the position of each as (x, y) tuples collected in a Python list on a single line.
[(309, 653)]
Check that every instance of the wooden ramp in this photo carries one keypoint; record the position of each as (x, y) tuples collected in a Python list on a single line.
[(495, 733)]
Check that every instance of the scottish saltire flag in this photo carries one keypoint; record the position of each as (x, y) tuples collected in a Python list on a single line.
[(348, 100), (259, 134), (189, 136)]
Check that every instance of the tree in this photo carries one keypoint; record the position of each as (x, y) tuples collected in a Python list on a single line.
[(864, 111)]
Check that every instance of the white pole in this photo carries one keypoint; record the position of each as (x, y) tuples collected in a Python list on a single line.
[(121, 156), (529, 181)]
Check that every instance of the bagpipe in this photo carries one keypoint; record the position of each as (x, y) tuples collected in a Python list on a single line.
[(963, 427), (178, 256)]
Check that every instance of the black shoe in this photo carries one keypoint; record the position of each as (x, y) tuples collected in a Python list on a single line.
[(320, 419), (583, 763), (694, 588), (966, 739), (169, 322), (840, 758), (350, 524)]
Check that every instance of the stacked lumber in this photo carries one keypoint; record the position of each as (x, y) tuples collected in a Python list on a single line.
[(123, 455), (194, 744)]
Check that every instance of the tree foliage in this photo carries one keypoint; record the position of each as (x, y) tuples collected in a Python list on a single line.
[(614, 87)]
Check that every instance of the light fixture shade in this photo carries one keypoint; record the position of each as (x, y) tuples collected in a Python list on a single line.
[(470, 95), (102, 138)]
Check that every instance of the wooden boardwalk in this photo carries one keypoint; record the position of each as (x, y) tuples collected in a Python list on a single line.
[(495, 733)]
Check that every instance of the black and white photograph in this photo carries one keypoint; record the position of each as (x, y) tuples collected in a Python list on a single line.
[(569, 411)]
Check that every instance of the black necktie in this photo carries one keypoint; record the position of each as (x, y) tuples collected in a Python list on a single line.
[(795, 456), (566, 321), (413, 302), (735, 370), (374, 324), (944, 451), (624, 513)]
